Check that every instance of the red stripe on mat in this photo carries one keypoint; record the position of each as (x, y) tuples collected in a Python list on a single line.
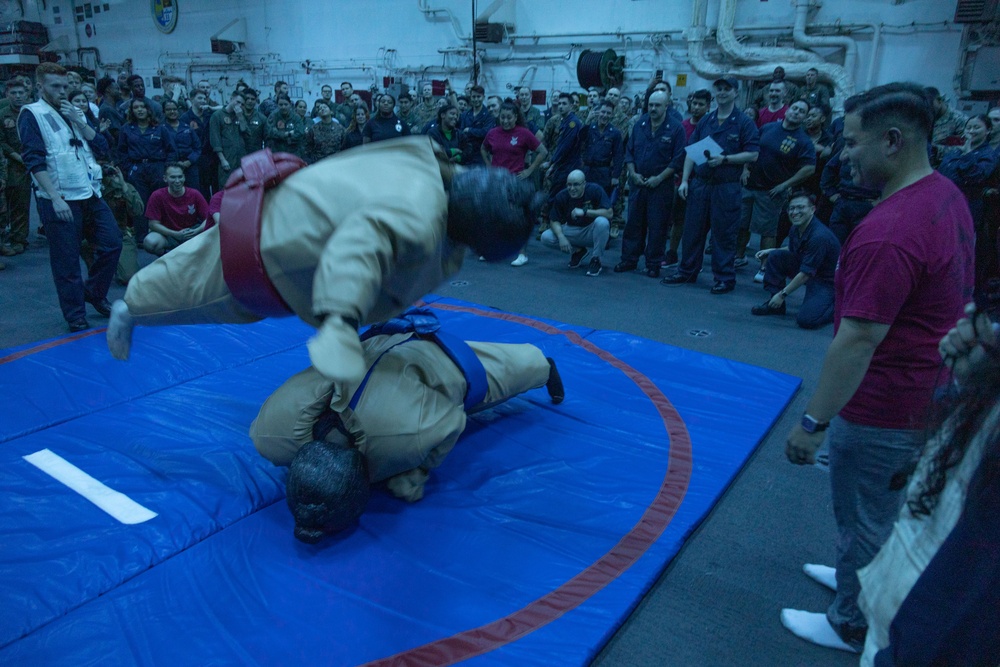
[(49, 345), (580, 588)]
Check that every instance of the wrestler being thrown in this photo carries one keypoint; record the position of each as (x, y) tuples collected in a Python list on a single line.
[(350, 240), (397, 426)]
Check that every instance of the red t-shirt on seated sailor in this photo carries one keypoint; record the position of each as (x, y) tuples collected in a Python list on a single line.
[(177, 213)]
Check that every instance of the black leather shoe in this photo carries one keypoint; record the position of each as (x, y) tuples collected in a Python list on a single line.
[(554, 385), (79, 325), (722, 288), (625, 267), (679, 279), (653, 271), (766, 309), (577, 257), (102, 306)]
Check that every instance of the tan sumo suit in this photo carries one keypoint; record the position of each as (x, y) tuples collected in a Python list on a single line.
[(411, 410), (359, 236)]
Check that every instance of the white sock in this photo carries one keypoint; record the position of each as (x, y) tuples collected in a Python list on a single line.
[(813, 627), (822, 574)]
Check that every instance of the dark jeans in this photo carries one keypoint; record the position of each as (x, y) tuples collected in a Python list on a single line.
[(817, 306), (714, 206), (648, 223), (145, 177), (93, 220)]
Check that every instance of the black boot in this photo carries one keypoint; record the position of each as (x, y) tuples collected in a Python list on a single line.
[(554, 384)]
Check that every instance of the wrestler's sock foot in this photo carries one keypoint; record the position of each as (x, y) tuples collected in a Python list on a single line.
[(554, 384), (822, 574), (120, 326), (813, 627)]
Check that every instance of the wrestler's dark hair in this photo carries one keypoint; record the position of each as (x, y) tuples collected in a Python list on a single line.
[(966, 414), (492, 211), (327, 489), (893, 104)]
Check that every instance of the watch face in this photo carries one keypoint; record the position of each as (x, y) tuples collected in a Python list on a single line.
[(809, 425)]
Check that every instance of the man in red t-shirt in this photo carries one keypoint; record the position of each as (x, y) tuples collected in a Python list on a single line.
[(175, 213), (776, 107), (903, 278)]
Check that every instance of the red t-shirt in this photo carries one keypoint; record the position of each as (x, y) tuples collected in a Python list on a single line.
[(765, 115), (177, 213), (510, 147), (909, 265), (214, 206), (688, 128)]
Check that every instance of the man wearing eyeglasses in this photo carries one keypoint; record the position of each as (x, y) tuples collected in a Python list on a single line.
[(810, 259)]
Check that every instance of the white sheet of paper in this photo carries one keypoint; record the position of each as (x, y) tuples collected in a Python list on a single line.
[(697, 150)]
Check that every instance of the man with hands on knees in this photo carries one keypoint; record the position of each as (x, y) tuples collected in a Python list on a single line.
[(903, 276), (580, 222)]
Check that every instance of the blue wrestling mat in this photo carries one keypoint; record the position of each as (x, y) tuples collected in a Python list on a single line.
[(138, 525)]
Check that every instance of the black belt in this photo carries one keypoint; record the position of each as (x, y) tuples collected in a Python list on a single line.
[(146, 160)]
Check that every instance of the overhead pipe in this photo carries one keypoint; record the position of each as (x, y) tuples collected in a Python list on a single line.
[(725, 36), (710, 70), (805, 40)]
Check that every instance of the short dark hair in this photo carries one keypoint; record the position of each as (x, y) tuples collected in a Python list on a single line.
[(325, 85), (173, 165), (132, 79), (238, 93), (567, 96), (278, 84), (893, 103), (389, 96), (347, 83), (102, 85), (49, 68), (823, 108), (608, 103), (278, 98), (702, 95), (800, 193), (405, 96), (477, 89), (250, 91), (812, 69)]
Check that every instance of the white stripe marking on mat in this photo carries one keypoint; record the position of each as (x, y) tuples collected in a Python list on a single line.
[(114, 503)]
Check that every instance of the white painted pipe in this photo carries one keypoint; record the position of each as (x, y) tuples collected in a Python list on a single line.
[(725, 35), (809, 41), (873, 58)]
